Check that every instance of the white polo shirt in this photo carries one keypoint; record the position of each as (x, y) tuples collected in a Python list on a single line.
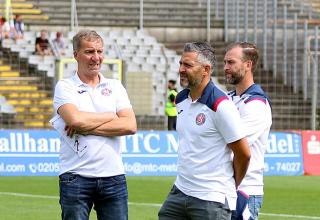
[(103, 154), (255, 113), (205, 126)]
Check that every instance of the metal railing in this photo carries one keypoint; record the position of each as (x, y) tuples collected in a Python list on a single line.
[(281, 29)]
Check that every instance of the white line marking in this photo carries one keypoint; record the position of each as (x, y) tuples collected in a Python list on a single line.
[(28, 195), (145, 204), (153, 205), (290, 216)]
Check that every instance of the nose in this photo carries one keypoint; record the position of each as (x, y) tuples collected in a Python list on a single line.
[(225, 67), (96, 56), (181, 68)]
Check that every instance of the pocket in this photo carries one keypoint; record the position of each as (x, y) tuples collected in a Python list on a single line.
[(118, 179), (68, 178), (174, 190)]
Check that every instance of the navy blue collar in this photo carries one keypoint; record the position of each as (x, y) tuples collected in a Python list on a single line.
[(253, 90)]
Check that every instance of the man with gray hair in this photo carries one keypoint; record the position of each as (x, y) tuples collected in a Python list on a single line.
[(92, 113), (210, 131)]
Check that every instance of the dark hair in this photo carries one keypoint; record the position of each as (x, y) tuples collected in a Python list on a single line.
[(249, 52), (88, 35), (172, 81), (204, 50)]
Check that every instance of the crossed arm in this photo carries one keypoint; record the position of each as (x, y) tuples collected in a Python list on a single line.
[(241, 159), (102, 124)]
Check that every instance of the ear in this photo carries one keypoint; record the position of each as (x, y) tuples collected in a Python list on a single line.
[(75, 54), (249, 64), (207, 69)]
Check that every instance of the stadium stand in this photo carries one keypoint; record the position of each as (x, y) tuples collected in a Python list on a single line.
[(281, 30), (125, 13), (7, 111), (151, 55), (27, 10), (145, 59), (28, 92)]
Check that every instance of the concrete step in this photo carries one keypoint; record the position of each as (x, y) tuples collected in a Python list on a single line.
[(45, 116), (21, 81)]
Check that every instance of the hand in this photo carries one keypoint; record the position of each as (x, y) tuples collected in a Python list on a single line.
[(70, 131)]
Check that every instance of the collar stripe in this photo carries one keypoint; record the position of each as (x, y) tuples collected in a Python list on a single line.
[(219, 100)]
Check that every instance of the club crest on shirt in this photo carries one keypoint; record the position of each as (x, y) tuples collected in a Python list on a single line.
[(106, 92), (200, 119)]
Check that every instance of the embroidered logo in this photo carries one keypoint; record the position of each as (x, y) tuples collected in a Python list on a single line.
[(106, 92), (200, 119)]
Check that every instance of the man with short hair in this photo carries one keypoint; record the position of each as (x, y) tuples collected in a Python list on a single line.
[(240, 62), (42, 45), (209, 130), (171, 110), (95, 111), (58, 45)]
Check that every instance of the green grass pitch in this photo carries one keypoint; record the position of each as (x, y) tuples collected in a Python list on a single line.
[(29, 198)]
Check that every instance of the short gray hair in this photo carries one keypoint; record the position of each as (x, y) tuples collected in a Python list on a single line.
[(88, 35), (206, 54)]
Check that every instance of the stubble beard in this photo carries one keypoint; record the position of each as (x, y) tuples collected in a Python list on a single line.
[(186, 83), (234, 78)]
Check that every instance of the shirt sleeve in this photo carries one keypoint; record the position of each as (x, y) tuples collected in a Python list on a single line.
[(256, 117), (228, 122), (64, 93), (122, 99)]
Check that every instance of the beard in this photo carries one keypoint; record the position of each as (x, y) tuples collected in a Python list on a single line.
[(185, 82), (234, 78)]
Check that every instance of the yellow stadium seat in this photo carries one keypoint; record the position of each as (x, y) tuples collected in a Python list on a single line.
[(13, 102), (34, 124), (46, 102), (13, 95), (22, 5), (5, 68), (18, 88), (9, 82), (20, 109), (35, 95), (40, 117), (25, 11), (9, 74), (25, 102), (34, 109), (18, 5), (35, 17)]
